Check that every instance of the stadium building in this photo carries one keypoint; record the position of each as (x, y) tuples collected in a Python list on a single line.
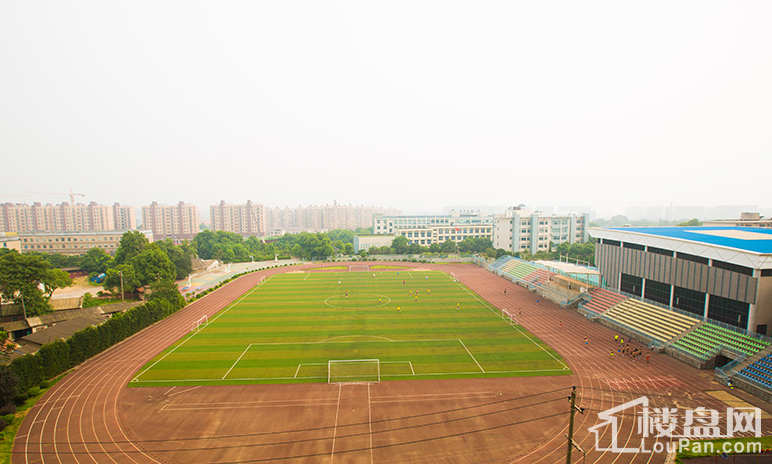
[(426, 230), (719, 273)]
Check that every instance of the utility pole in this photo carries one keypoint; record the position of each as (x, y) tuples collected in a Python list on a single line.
[(122, 299), (570, 436)]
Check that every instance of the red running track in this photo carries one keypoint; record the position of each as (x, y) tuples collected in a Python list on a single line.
[(83, 419)]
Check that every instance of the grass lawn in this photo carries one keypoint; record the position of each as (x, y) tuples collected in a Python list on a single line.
[(288, 329)]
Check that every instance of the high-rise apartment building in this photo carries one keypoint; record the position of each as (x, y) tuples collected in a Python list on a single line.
[(178, 222), (65, 217), (243, 219), (322, 218)]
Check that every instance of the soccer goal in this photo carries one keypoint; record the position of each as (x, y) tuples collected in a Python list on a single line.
[(453, 277), (509, 316), (261, 281), (359, 268), (353, 371), (202, 322)]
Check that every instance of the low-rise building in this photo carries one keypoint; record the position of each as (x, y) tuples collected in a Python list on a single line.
[(73, 243), (10, 241), (426, 230), (365, 242)]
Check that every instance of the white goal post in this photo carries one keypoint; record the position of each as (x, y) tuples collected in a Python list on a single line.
[(353, 371), (358, 268), (453, 277), (509, 316), (202, 322)]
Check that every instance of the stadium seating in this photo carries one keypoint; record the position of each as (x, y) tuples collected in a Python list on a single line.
[(602, 300), (707, 339), (759, 371), (499, 263), (657, 322)]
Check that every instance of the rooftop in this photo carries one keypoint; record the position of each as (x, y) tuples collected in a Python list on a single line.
[(748, 239)]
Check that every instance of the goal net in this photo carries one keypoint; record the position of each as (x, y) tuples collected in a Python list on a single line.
[(199, 324), (353, 371), (509, 316), (453, 277), (358, 268)]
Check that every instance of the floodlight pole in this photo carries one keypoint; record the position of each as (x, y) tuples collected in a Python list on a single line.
[(121, 273)]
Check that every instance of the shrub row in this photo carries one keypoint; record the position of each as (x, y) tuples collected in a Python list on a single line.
[(57, 357)]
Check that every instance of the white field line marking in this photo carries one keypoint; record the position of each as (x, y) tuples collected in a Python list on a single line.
[(494, 311), (411, 275), (136, 379), (297, 370), (206, 407), (167, 391), (370, 422), (306, 277), (411, 367), (335, 430), (237, 361), (240, 299), (482, 394), (252, 379), (184, 391), (470, 354)]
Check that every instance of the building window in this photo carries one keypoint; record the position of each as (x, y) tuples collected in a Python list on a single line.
[(657, 291), (689, 300), (733, 267), (631, 284), (728, 311), (659, 251), (633, 246), (693, 258)]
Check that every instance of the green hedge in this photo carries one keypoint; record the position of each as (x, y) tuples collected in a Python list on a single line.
[(55, 358)]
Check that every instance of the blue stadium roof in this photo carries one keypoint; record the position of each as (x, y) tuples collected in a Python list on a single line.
[(752, 239)]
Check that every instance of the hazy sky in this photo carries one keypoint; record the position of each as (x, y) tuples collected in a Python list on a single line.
[(411, 104)]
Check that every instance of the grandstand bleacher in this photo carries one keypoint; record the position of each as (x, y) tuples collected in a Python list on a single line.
[(759, 371), (602, 300), (654, 321), (705, 341)]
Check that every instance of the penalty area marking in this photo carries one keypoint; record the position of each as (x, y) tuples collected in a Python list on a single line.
[(565, 367), (432, 374), (136, 378)]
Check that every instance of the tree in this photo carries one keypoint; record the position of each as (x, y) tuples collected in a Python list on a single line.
[(153, 265), (21, 277), (96, 261), (132, 243), (348, 249), (435, 248), (399, 244), (130, 280), (8, 385), (166, 290), (690, 223), (449, 246), (178, 255)]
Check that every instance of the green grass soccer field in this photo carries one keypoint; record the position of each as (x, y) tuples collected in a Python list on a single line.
[(352, 326)]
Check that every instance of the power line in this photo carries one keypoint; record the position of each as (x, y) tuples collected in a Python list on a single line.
[(330, 427), (326, 453)]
